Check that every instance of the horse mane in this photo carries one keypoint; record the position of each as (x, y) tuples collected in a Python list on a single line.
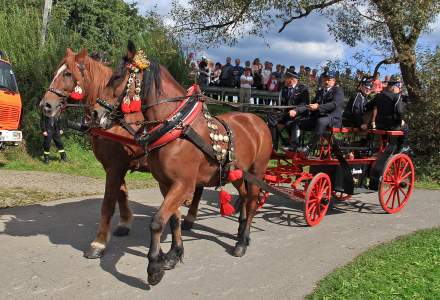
[(100, 74), (151, 78)]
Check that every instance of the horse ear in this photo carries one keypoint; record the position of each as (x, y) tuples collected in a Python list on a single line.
[(82, 55), (131, 49), (68, 52)]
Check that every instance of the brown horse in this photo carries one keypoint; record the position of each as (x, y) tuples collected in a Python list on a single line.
[(92, 76), (180, 167)]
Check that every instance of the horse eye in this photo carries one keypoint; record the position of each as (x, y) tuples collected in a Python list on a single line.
[(67, 74)]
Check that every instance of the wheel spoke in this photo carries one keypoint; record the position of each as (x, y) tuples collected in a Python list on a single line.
[(403, 169), (403, 192), (389, 198), (384, 193), (394, 199), (406, 175), (398, 197), (395, 169)]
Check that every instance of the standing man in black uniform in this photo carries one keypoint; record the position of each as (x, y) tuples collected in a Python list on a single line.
[(50, 126), (390, 109), (325, 110), (292, 94)]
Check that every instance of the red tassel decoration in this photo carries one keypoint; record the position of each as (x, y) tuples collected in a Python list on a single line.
[(234, 175), (226, 209), (125, 107), (135, 106)]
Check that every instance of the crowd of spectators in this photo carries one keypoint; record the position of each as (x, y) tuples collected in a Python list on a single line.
[(264, 76)]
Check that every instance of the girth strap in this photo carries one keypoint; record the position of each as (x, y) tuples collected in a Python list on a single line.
[(197, 140)]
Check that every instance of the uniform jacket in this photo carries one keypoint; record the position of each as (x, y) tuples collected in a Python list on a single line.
[(390, 108), (50, 124), (355, 109), (331, 104), (298, 96)]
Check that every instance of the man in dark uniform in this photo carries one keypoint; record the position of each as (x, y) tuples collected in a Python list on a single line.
[(50, 126), (353, 115), (325, 110), (292, 94), (390, 110)]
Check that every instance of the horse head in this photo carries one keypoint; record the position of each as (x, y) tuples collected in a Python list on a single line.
[(136, 79), (78, 77)]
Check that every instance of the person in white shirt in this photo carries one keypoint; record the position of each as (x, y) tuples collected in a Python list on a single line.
[(246, 81)]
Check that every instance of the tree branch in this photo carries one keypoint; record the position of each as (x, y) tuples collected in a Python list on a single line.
[(307, 11), (234, 20), (387, 61)]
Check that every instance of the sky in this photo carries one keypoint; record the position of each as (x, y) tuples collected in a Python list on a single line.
[(304, 42)]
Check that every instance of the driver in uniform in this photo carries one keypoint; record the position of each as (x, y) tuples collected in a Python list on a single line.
[(292, 94), (325, 110)]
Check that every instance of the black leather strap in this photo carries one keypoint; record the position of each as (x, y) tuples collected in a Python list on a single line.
[(190, 134)]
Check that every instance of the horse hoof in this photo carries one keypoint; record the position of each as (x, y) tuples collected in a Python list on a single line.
[(187, 225), (239, 250), (171, 260), (94, 253), (170, 264), (121, 231), (155, 278)]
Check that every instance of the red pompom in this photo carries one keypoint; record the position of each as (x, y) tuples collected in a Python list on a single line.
[(226, 209), (234, 175), (76, 96), (125, 107), (135, 106), (77, 93)]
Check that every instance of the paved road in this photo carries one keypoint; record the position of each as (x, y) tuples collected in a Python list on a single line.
[(41, 249)]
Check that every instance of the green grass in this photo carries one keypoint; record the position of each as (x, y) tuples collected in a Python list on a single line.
[(22, 196), (81, 162), (406, 268)]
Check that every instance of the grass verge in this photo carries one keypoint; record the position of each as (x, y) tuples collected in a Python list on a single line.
[(21, 196), (406, 268), (81, 162)]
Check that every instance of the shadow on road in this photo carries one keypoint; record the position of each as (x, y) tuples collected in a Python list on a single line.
[(75, 224)]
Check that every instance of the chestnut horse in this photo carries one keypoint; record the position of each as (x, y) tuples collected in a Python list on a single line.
[(79, 69), (181, 167)]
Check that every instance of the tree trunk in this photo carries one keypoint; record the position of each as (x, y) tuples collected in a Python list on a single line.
[(408, 67)]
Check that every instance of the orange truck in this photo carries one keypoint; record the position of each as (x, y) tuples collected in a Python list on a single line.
[(10, 106)]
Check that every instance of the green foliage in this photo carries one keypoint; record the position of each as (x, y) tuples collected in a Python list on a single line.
[(96, 25), (407, 268)]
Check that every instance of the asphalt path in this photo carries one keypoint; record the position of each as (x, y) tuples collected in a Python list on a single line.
[(41, 249)]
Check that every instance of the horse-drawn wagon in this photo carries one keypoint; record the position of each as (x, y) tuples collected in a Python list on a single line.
[(344, 167)]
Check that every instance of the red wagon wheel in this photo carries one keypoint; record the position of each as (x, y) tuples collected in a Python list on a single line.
[(317, 199), (397, 183)]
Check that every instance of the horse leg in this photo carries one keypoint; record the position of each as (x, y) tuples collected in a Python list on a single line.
[(174, 197), (251, 209), (176, 252), (112, 186), (242, 192), (125, 214), (191, 216)]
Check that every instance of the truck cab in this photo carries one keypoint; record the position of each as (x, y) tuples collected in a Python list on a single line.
[(10, 105)]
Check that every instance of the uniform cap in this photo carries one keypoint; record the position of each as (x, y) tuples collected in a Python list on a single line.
[(291, 73), (329, 74)]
